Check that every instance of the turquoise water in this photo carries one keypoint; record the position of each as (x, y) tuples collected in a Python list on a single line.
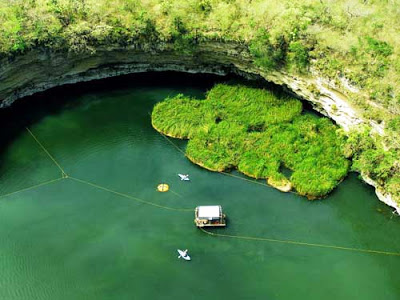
[(71, 239)]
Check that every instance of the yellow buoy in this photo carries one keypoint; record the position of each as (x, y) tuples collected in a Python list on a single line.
[(163, 187)]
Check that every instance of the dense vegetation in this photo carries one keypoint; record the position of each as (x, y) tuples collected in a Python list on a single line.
[(369, 158), (258, 133), (353, 43)]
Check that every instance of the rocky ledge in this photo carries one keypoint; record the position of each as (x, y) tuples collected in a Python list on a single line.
[(42, 69)]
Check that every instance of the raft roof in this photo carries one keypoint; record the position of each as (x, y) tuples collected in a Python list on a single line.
[(209, 212)]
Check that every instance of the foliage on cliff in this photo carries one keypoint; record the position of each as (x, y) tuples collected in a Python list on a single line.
[(258, 133), (369, 158)]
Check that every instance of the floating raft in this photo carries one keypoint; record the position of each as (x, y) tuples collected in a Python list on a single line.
[(212, 215)]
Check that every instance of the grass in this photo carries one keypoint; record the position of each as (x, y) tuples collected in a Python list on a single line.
[(258, 133), (371, 159)]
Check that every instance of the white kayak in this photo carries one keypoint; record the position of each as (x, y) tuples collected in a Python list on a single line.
[(183, 254), (184, 177)]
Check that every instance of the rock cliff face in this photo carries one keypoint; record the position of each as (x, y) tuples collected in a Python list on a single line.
[(40, 70)]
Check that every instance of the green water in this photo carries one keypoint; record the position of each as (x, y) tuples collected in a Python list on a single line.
[(70, 240)]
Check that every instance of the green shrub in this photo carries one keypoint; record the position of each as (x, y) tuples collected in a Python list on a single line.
[(379, 47), (266, 54), (298, 55)]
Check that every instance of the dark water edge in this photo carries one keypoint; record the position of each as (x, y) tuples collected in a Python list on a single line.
[(70, 240)]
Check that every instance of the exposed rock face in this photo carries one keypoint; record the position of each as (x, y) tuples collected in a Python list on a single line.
[(39, 70)]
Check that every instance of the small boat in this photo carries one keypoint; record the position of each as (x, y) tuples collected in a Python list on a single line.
[(209, 215), (183, 254), (184, 177)]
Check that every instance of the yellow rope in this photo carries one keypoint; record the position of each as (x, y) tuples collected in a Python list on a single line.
[(128, 196), (179, 195), (242, 178), (253, 181), (64, 175), (172, 143), (32, 187), (301, 243), (48, 154)]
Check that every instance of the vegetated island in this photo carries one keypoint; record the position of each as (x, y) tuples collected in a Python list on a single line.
[(258, 133)]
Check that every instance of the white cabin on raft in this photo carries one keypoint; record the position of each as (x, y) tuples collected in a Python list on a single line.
[(209, 216)]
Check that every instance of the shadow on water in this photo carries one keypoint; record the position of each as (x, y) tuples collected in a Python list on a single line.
[(30, 110)]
